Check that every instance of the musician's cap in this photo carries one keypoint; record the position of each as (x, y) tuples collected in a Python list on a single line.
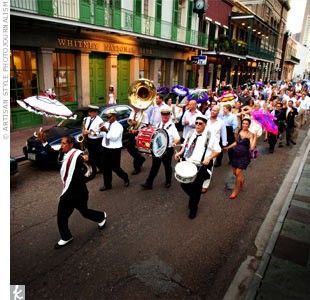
[(165, 110), (202, 118), (93, 108), (111, 112)]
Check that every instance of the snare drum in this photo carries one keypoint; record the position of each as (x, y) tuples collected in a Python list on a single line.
[(185, 172), (152, 141)]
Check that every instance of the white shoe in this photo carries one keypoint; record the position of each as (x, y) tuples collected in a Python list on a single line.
[(101, 225), (61, 243)]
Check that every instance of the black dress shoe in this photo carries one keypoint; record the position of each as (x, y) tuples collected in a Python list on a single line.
[(62, 243), (135, 172), (126, 183), (192, 214), (146, 186), (167, 185), (294, 143), (103, 188)]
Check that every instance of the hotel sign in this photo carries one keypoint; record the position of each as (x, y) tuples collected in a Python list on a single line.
[(80, 44)]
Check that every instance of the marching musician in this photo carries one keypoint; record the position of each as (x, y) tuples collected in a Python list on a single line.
[(75, 193), (200, 147), (137, 120), (153, 111), (174, 138), (92, 134), (111, 154), (189, 118)]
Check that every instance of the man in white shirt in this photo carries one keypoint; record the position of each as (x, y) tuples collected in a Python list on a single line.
[(92, 134), (153, 111), (189, 118), (111, 154), (200, 147), (173, 139)]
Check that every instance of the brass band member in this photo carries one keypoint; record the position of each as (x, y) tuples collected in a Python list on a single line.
[(137, 120), (91, 133), (75, 193), (174, 138), (111, 152), (201, 147)]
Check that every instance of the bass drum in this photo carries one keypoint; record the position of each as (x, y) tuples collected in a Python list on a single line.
[(89, 169), (152, 141)]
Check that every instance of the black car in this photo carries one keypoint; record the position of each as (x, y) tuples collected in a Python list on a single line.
[(13, 165), (34, 150)]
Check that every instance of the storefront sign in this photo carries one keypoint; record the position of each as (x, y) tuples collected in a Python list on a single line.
[(103, 46), (199, 60)]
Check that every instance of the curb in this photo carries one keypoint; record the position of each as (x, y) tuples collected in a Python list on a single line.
[(247, 279)]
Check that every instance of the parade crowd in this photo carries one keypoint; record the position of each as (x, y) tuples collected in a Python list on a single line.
[(199, 133)]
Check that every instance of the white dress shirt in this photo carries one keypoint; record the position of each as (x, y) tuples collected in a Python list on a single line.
[(191, 118), (219, 128), (96, 122), (197, 155), (136, 116), (172, 131), (154, 113), (113, 138)]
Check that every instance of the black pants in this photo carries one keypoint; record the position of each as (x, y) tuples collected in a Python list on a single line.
[(67, 204), (272, 140), (289, 134), (94, 148), (111, 160), (230, 140), (156, 162), (138, 159), (193, 190)]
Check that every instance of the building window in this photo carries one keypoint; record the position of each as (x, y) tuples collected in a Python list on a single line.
[(23, 75), (144, 68), (64, 68)]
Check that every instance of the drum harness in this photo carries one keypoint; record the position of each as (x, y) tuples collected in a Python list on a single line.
[(204, 152)]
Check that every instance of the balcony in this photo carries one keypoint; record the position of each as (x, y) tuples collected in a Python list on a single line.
[(292, 59), (99, 14)]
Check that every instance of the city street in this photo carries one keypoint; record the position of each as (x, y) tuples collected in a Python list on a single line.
[(149, 249)]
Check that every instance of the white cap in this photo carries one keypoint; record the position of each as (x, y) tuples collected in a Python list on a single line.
[(202, 118), (111, 111), (93, 107), (165, 110)]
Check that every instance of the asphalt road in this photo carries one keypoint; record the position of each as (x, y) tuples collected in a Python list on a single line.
[(149, 249)]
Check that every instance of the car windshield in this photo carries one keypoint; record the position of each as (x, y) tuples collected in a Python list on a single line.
[(123, 112), (70, 123)]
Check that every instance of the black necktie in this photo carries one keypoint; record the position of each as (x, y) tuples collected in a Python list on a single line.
[(90, 121), (192, 147)]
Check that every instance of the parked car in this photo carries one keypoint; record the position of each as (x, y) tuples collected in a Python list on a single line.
[(13, 165), (34, 150)]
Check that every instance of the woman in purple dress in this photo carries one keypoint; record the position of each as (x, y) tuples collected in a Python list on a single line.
[(241, 158)]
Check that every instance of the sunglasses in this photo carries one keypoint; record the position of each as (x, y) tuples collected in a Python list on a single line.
[(199, 123)]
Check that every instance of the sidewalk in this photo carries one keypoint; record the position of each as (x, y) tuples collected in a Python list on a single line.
[(288, 274)]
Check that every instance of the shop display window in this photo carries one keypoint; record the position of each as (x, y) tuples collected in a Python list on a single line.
[(23, 75), (144, 68), (64, 68)]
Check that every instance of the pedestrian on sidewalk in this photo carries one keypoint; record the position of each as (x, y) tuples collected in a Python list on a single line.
[(75, 193)]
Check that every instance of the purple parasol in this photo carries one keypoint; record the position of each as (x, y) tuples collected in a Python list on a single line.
[(266, 120), (180, 90), (200, 95)]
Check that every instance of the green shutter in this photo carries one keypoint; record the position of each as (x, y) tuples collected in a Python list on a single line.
[(189, 22), (97, 78), (99, 12), (85, 11), (45, 7), (174, 28), (158, 18), (137, 16), (117, 14), (123, 78)]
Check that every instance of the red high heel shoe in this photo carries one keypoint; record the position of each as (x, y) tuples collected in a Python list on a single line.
[(233, 196)]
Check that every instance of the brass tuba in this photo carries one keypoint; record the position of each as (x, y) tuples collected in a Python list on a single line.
[(142, 93)]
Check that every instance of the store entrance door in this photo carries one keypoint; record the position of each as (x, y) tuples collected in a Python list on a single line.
[(123, 78), (97, 76)]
